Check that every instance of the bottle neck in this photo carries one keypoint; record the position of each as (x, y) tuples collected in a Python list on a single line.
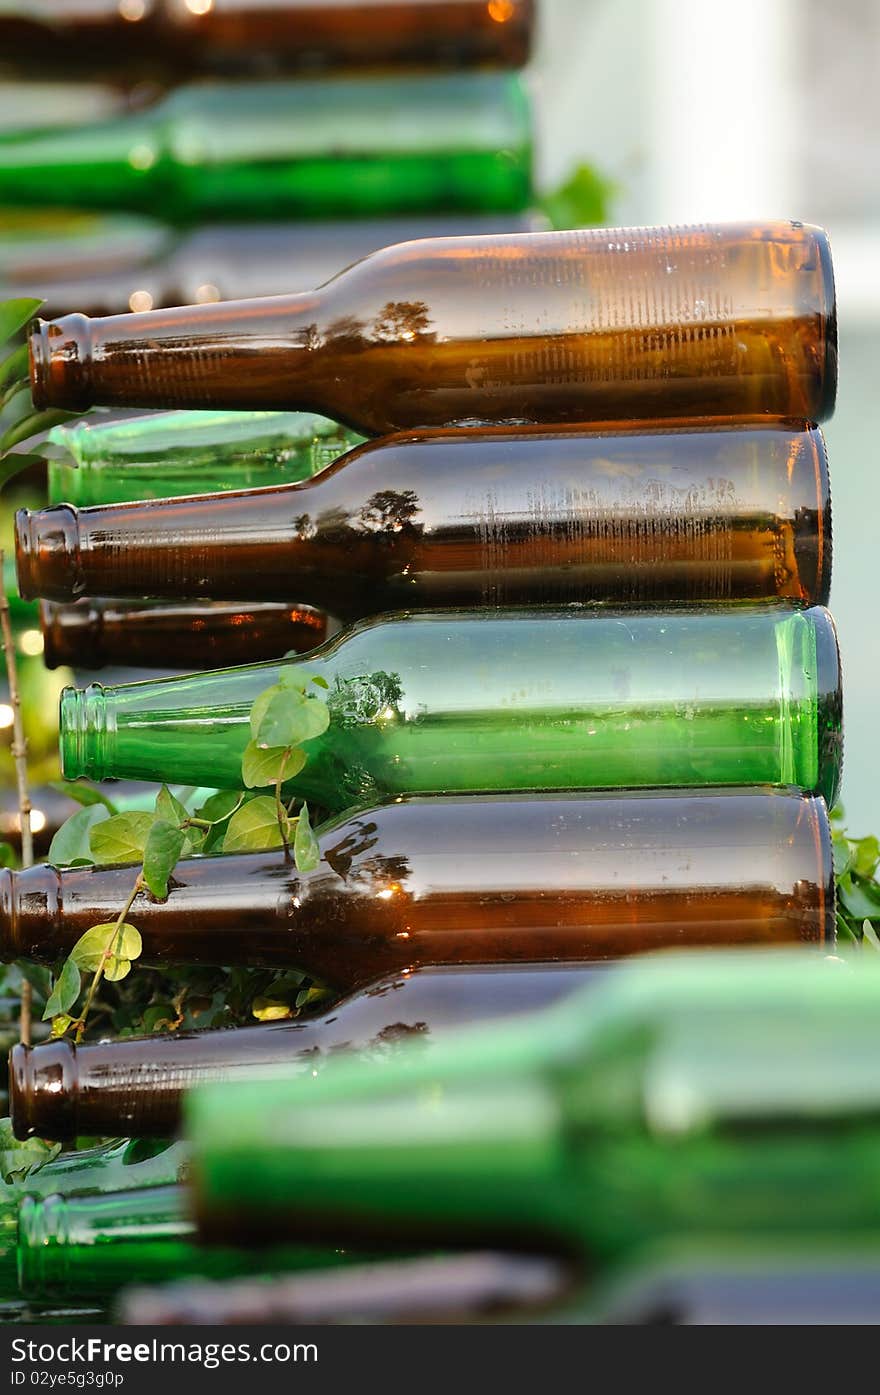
[(197, 356), (91, 634)]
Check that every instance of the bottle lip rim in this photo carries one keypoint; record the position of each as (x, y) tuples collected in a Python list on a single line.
[(829, 705)]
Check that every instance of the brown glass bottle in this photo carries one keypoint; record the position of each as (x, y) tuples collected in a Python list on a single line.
[(124, 40), (136, 1086), (508, 516), (90, 634), (444, 1288), (725, 321), (468, 880)]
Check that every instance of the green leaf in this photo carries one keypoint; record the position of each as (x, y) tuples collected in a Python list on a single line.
[(22, 1159), (65, 991), (260, 704), (121, 838), (81, 792), (260, 765), (126, 946), (169, 807), (306, 851), (844, 930), (15, 314), (14, 371), (321, 682), (860, 898), (72, 841), (842, 855), (270, 1010), (12, 465), (869, 934), (8, 855), (866, 854), (290, 718), (583, 200), (255, 827), (159, 1015), (32, 425), (219, 806), (161, 854), (61, 1025)]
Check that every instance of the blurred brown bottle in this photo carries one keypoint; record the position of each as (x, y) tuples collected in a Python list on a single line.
[(91, 634), (507, 516), (446, 1288), (221, 263), (125, 41), (726, 321), (468, 879), (137, 1085)]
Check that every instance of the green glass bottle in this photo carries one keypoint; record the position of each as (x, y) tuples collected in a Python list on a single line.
[(92, 1246), (112, 1167), (343, 147), (162, 454), (692, 1096), (503, 700)]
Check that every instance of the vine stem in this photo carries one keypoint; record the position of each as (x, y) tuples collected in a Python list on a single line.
[(110, 948), (19, 756), (283, 823)]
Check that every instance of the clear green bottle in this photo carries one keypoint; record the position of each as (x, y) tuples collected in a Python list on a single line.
[(692, 1096), (92, 1246), (162, 454), (342, 147), (504, 700)]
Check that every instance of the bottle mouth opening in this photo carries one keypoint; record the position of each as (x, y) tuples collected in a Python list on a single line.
[(83, 732), (829, 298), (47, 553), (813, 535), (60, 352), (829, 706), (70, 634), (42, 1091)]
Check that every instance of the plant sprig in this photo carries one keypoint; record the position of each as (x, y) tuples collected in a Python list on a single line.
[(858, 889), (282, 718)]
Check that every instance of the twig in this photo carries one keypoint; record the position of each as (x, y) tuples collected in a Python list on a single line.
[(19, 756), (112, 946)]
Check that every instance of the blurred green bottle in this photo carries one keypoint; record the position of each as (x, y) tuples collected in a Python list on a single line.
[(345, 147), (92, 1246), (160, 454), (694, 1097), (112, 1167), (503, 700)]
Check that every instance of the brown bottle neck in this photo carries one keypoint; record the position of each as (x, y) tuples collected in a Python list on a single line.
[(194, 356), (59, 1091)]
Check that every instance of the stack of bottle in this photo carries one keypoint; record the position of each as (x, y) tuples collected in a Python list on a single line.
[(585, 701)]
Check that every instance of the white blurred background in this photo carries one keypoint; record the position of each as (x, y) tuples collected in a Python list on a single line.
[(706, 109)]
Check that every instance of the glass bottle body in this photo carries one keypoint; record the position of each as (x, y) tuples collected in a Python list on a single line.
[(473, 517), (467, 881), (439, 702), (597, 325), (691, 1097)]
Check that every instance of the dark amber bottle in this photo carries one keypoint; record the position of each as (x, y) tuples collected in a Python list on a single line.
[(730, 321), (90, 634), (468, 880), (126, 40), (136, 1086), (508, 516)]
